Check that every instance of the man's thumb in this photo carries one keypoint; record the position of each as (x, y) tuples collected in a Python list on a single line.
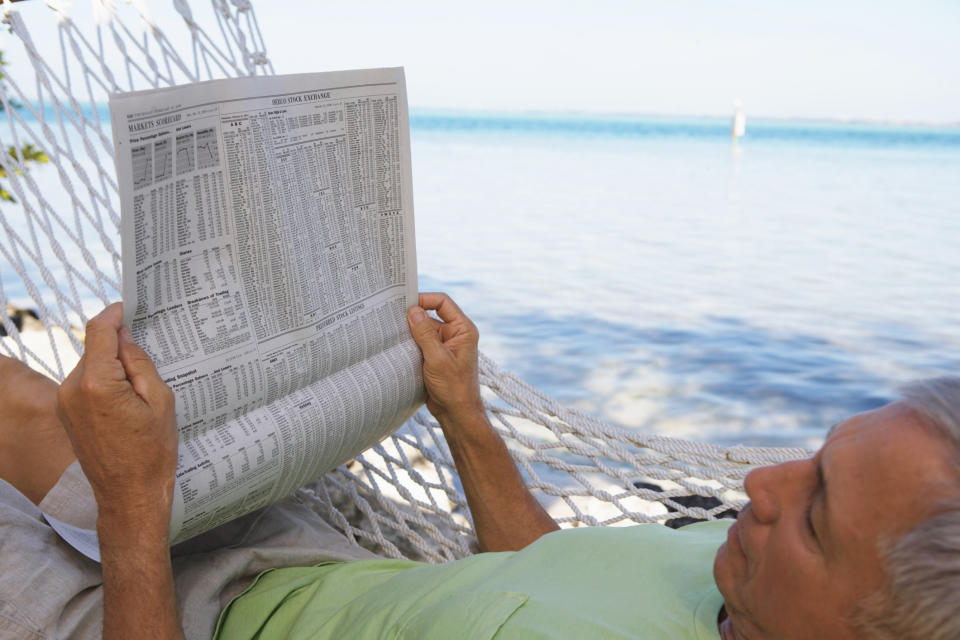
[(423, 328), (137, 364)]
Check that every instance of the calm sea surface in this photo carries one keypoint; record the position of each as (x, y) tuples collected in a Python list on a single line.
[(649, 273), (646, 271)]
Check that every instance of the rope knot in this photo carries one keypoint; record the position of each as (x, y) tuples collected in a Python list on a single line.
[(58, 7), (7, 12), (183, 8)]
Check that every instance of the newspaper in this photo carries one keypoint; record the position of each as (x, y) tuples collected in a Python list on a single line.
[(268, 261)]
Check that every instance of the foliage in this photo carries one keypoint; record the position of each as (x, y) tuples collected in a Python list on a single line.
[(24, 155), (27, 153)]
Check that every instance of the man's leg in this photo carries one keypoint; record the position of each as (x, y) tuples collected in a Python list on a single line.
[(46, 588), (34, 448)]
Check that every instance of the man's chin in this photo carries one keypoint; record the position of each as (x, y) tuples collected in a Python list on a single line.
[(726, 630), (724, 579)]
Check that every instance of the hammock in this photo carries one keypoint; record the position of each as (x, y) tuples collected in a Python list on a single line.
[(60, 246)]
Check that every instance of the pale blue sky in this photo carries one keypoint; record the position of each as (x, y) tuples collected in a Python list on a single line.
[(811, 59), (822, 59)]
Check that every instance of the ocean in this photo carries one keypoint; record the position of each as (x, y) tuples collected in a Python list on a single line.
[(647, 271), (650, 273)]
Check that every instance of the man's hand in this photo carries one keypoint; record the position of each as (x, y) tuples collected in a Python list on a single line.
[(506, 516), (120, 417), (449, 356)]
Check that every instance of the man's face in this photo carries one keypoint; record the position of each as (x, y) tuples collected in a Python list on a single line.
[(807, 547)]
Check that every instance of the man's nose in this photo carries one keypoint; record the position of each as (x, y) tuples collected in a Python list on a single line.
[(769, 487)]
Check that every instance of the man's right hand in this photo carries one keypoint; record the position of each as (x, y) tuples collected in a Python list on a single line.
[(449, 348), (506, 516)]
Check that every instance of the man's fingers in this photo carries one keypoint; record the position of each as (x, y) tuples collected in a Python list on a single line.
[(455, 321), (449, 330), (425, 332), (445, 307), (100, 342), (139, 368)]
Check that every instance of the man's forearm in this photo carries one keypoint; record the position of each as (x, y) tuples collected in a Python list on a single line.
[(139, 600), (506, 516)]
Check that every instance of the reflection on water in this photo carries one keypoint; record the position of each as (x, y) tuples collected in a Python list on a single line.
[(667, 282)]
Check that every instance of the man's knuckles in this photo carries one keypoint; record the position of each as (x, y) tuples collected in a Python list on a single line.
[(137, 360), (99, 387), (89, 386), (166, 398)]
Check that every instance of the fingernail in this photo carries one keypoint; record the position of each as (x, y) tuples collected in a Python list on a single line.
[(416, 315), (125, 335)]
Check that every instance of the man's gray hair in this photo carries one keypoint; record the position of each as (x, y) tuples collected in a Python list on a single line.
[(920, 599)]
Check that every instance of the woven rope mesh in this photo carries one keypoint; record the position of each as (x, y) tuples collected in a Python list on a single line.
[(60, 247)]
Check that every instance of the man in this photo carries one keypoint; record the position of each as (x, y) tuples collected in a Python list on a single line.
[(859, 541)]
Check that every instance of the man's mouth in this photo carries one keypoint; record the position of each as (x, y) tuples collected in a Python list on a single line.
[(735, 534)]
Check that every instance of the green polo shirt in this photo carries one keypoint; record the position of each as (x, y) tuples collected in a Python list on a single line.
[(643, 581)]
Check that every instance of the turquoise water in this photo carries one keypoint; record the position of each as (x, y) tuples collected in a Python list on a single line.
[(646, 271), (835, 134)]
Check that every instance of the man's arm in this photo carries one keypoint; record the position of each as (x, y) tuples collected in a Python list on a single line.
[(119, 415), (506, 516)]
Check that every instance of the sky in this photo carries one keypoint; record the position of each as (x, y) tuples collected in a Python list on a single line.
[(818, 59)]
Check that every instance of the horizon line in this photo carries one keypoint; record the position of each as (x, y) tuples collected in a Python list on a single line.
[(640, 114)]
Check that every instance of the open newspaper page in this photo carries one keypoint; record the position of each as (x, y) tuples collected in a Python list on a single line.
[(268, 261)]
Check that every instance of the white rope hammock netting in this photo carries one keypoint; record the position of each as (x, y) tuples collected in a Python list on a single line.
[(60, 248)]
